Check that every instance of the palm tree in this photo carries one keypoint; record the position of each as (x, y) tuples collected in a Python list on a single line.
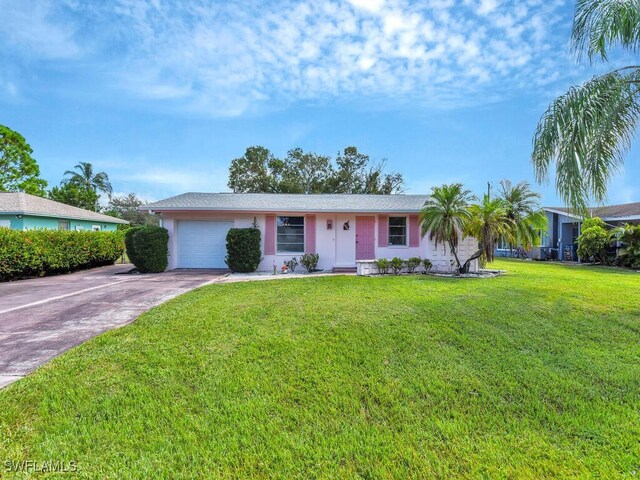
[(522, 205), (587, 131), (84, 177), (445, 216), (488, 222)]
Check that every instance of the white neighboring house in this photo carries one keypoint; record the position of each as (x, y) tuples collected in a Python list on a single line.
[(341, 228)]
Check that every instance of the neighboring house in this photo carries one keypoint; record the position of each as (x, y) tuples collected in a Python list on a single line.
[(341, 228), (21, 211), (564, 227)]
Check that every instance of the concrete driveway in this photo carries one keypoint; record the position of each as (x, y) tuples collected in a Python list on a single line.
[(43, 317)]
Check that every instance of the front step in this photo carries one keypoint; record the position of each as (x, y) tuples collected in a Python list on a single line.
[(344, 270)]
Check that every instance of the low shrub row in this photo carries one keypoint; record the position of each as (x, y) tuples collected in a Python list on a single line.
[(397, 265), (46, 252)]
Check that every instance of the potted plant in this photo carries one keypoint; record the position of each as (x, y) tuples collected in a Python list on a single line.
[(291, 264)]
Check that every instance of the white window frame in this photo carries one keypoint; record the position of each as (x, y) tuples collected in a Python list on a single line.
[(278, 219), (406, 232), (96, 228), (60, 222)]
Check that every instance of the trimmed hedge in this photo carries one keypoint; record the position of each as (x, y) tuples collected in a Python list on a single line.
[(243, 249), (46, 252), (148, 248)]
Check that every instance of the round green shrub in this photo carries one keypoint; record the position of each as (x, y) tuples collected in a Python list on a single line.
[(130, 246), (243, 249), (593, 242), (148, 248)]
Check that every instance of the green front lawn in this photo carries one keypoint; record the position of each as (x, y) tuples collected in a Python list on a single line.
[(534, 374)]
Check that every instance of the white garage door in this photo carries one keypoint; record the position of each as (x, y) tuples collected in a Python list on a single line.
[(202, 244)]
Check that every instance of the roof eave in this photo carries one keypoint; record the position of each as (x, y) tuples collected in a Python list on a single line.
[(276, 210), (70, 217)]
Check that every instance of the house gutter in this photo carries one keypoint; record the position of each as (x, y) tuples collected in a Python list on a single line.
[(272, 210)]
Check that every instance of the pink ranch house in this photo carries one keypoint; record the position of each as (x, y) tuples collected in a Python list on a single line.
[(345, 230)]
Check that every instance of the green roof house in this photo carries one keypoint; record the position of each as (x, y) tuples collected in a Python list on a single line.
[(21, 211)]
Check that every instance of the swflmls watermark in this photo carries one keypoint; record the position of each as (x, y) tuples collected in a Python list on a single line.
[(40, 466)]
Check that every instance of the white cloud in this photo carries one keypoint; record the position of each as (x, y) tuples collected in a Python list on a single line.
[(154, 181), (226, 58), (28, 23)]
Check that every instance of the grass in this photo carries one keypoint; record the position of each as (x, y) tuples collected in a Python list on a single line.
[(534, 374)]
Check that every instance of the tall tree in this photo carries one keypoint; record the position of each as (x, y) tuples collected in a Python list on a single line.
[(524, 210), (85, 177), (76, 195), (445, 216), (19, 172), (257, 171), (587, 131), (306, 172), (127, 207), (350, 171), (380, 183)]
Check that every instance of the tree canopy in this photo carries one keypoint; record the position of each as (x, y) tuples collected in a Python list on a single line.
[(19, 171), (84, 176), (127, 208), (259, 171), (75, 195), (453, 213)]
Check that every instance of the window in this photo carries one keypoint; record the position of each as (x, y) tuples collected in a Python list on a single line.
[(290, 233), (397, 230), (96, 228), (63, 224), (502, 244)]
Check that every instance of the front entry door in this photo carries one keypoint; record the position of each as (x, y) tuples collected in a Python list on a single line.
[(365, 238)]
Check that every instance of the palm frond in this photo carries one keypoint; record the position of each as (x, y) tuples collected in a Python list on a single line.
[(445, 214), (600, 24), (586, 132)]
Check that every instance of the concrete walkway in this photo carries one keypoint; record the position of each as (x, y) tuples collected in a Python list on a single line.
[(43, 317)]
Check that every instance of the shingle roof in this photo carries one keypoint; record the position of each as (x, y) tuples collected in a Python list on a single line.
[(624, 211), (25, 204), (284, 202)]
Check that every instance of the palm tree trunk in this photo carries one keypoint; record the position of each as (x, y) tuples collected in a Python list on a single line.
[(467, 263), (452, 249)]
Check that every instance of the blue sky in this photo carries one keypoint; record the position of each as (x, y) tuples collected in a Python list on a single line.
[(163, 94)]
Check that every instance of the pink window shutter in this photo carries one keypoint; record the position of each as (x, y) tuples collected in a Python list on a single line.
[(414, 231), (270, 235), (310, 234), (383, 231)]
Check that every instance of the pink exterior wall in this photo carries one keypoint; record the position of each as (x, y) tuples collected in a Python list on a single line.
[(383, 227), (414, 231), (270, 235), (309, 234)]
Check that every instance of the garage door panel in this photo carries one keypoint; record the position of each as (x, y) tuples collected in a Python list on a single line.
[(202, 244)]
